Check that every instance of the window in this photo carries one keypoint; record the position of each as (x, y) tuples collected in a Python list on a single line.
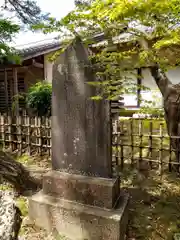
[(143, 78)]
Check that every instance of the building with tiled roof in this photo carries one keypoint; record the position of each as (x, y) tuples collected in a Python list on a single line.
[(35, 67)]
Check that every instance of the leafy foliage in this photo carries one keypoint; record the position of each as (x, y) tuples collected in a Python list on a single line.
[(26, 10), (38, 98), (151, 110), (8, 31), (153, 106), (147, 29)]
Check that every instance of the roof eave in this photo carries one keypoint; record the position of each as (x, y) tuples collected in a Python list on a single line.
[(40, 53)]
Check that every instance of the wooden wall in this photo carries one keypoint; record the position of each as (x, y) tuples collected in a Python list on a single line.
[(16, 80)]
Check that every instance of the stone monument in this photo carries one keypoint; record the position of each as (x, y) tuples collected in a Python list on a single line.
[(80, 199)]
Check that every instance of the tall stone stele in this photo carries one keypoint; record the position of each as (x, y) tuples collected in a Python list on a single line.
[(80, 199)]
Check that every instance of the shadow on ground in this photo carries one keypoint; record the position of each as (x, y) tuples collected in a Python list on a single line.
[(154, 204)]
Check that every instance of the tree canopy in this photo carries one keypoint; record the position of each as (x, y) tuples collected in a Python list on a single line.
[(27, 11), (152, 26), (15, 14)]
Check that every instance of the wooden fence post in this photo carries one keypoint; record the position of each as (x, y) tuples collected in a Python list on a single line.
[(28, 135), (170, 155), (9, 124), (140, 144), (116, 142), (2, 130), (122, 148), (150, 143), (40, 135), (132, 142), (19, 134), (49, 141), (160, 150)]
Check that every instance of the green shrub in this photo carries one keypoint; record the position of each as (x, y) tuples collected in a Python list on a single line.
[(154, 112), (38, 99)]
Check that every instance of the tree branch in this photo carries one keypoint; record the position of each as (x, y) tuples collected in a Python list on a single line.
[(17, 175), (161, 80), (159, 76)]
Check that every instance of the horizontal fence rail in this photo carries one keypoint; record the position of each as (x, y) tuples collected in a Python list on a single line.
[(135, 142)]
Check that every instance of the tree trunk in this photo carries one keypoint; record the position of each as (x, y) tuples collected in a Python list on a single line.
[(17, 175), (171, 96)]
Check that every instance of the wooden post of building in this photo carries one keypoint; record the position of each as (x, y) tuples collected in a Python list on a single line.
[(15, 78), (6, 88), (15, 106)]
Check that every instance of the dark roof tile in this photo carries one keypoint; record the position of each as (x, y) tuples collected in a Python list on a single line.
[(26, 52)]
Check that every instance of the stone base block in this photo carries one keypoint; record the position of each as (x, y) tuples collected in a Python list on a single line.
[(78, 221), (95, 191)]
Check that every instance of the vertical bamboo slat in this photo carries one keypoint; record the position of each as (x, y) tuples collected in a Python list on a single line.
[(141, 143), (20, 134), (35, 133), (116, 143), (170, 155), (40, 135), (28, 135), (122, 147), (132, 142), (161, 149), (49, 138), (2, 130), (150, 143), (9, 124)]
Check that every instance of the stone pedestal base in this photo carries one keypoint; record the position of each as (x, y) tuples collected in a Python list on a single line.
[(78, 221), (72, 215)]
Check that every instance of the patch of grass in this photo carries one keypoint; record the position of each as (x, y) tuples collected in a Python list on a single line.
[(35, 160), (25, 159), (154, 206), (23, 205), (5, 187)]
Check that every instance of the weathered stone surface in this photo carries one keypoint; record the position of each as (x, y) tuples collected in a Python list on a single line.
[(101, 192), (81, 128), (10, 217), (38, 173), (79, 221)]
